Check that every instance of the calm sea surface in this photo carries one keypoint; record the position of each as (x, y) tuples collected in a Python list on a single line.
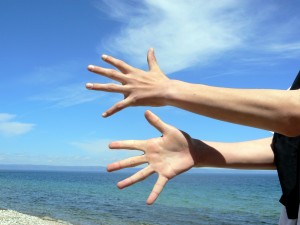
[(92, 198)]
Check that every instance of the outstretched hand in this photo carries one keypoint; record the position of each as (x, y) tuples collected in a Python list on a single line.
[(139, 87), (168, 156)]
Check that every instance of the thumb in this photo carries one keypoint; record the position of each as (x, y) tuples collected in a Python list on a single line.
[(155, 121), (152, 63)]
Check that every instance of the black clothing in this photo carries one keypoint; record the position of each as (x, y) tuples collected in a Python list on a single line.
[(286, 152)]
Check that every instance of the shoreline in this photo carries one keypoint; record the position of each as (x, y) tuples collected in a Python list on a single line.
[(12, 217)]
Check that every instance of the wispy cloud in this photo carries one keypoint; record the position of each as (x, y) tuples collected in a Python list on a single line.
[(60, 85), (5, 117), (67, 95), (52, 74), (99, 148), (49, 159), (92, 146), (188, 33), (9, 127), (286, 49), (183, 33)]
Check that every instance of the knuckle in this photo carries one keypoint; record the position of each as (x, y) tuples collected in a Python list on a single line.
[(118, 63), (119, 105), (142, 175), (112, 73), (133, 99), (158, 121), (111, 87), (119, 164), (131, 180), (131, 163)]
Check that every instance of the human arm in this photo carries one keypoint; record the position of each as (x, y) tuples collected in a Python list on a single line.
[(176, 152), (276, 110), (254, 154)]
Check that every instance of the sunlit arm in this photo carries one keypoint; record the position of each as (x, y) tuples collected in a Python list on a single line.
[(275, 110), (176, 152)]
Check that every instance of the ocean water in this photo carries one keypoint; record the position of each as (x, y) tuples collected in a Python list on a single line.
[(91, 198)]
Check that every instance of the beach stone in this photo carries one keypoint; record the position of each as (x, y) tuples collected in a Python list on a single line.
[(10, 217)]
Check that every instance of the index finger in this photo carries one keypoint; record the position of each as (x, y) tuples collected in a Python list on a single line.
[(128, 144)]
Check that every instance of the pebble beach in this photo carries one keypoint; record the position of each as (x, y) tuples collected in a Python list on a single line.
[(10, 217)]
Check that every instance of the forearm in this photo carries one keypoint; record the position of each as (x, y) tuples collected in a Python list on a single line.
[(255, 154), (276, 110)]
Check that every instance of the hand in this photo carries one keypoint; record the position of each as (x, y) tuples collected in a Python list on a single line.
[(140, 88), (169, 155)]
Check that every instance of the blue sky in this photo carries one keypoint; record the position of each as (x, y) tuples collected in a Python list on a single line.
[(48, 117)]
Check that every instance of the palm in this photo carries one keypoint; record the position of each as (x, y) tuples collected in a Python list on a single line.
[(167, 156)]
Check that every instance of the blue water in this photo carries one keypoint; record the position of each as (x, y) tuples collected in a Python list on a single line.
[(91, 198)]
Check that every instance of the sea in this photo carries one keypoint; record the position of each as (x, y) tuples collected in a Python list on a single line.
[(90, 198)]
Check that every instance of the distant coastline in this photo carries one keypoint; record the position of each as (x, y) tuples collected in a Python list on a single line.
[(20, 167), (25, 167)]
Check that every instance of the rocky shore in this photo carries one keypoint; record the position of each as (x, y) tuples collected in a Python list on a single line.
[(10, 217)]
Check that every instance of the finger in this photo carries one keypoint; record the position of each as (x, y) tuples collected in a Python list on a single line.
[(126, 163), (117, 107), (121, 65), (157, 189), (110, 73), (128, 144), (137, 177), (107, 87), (156, 121), (152, 63)]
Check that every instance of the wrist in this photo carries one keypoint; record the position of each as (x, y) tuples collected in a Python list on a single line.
[(205, 155), (171, 92)]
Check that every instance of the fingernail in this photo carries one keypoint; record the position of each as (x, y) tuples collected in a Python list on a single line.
[(104, 57), (104, 114), (89, 86), (91, 67)]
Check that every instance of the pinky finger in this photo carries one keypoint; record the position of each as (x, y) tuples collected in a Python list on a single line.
[(157, 189), (117, 107)]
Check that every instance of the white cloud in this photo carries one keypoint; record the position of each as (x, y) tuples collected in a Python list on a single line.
[(94, 146), (66, 96), (13, 128), (5, 117), (287, 49), (99, 148), (183, 32), (193, 32), (60, 85), (23, 158), (53, 74)]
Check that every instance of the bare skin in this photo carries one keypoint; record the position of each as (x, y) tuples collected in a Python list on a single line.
[(167, 162), (176, 152), (140, 88), (275, 110)]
